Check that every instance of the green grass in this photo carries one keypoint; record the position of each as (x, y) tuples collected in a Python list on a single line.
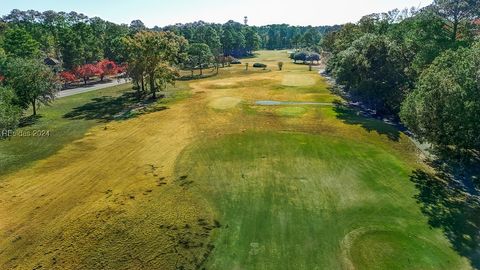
[(296, 201), (291, 111), (67, 120), (18, 152), (293, 187)]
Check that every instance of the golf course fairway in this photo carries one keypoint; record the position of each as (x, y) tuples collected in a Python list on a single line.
[(214, 180)]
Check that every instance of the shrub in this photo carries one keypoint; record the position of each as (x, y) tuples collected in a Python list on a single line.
[(259, 65), (300, 56), (280, 65), (313, 57)]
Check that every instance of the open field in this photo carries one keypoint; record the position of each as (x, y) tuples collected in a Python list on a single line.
[(21, 151), (217, 181)]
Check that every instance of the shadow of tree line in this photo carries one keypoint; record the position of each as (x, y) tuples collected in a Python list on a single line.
[(450, 198), (451, 201), (352, 116), (107, 108)]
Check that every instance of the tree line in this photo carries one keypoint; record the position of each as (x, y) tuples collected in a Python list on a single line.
[(420, 66), (92, 47), (236, 39), (76, 39)]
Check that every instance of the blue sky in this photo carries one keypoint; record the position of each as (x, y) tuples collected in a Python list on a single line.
[(260, 12)]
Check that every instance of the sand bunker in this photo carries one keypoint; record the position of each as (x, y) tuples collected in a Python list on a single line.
[(297, 80), (224, 103)]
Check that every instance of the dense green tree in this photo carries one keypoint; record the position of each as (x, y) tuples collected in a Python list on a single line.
[(346, 36), (113, 47), (233, 39), (212, 39), (239, 40), (380, 71), (152, 56), (423, 38), (457, 12), (73, 38), (33, 22), (33, 82), (76, 39), (19, 43), (199, 55), (444, 108), (311, 37), (284, 36), (70, 48), (274, 39), (136, 63), (90, 45), (296, 41), (373, 71), (9, 112), (137, 26), (252, 40)]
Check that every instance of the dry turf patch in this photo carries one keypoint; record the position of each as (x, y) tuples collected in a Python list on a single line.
[(224, 103), (298, 80), (254, 187), (108, 201)]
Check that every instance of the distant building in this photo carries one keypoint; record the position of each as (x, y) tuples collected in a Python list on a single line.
[(55, 64), (245, 20), (49, 61)]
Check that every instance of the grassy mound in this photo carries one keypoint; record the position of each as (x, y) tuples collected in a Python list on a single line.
[(394, 250)]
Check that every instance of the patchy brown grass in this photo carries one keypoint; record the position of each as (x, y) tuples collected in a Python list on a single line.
[(112, 199)]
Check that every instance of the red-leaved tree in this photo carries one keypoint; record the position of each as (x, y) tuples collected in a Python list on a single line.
[(107, 68), (67, 77), (87, 71), (121, 68)]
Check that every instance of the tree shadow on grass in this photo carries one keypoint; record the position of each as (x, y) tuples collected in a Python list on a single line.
[(352, 116), (107, 108), (449, 208), (462, 166), (29, 120)]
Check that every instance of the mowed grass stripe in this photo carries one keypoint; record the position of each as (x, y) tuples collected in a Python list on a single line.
[(19, 152), (287, 201)]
